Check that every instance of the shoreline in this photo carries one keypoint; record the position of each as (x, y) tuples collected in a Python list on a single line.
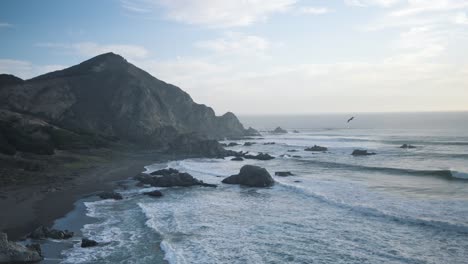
[(30, 206)]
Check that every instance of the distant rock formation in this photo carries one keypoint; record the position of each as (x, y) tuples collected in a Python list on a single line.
[(251, 132), (316, 148), (407, 146), (110, 97), (279, 130), (11, 252), (359, 152), (252, 176)]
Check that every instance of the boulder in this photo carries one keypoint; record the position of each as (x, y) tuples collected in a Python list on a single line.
[(360, 152), (237, 159), (260, 156), (110, 195), (248, 144), (88, 243), (176, 178), (154, 193), (43, 232), (316, 148), (252, 176), (11, 252), (284, 173), (279, 130), (407, 146)]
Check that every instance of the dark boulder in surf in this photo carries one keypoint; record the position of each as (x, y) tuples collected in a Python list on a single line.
[(284, 173), (154, 193), (279, 130), (316, 148), (260, 156), (407, 146), (11, 252), (175, 178), (110, 195), (237, 159), (43, 232), (88, 243), (252, 176), (360, 152)]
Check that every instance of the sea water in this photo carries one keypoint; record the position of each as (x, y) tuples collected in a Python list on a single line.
[(398, 206)]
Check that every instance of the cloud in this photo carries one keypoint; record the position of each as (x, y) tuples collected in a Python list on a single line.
[(363, 3), (415, 7), (461, 19), (314, 10), (236, 44), (5, 25), (26, 69), (212, 13), (90, 49)]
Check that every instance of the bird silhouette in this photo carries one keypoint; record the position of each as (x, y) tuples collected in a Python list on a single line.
[(349, 120)]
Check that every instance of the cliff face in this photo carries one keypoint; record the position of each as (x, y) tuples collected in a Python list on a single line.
[(106, 95)]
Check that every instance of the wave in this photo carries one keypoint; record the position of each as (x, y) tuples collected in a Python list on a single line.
[(446, 174), (374, 212)]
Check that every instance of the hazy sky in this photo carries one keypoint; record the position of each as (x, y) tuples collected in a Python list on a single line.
[(259, 56)]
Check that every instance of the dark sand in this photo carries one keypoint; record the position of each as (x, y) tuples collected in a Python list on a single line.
[(27, 206)]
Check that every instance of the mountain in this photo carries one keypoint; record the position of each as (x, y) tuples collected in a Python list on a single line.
[(110, 97), (8, 80)]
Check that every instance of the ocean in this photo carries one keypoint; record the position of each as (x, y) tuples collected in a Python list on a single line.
[(398, 206)]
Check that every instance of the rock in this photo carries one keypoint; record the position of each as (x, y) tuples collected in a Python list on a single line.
[(248, 144), (110, 195), (316, 148), (296, 156), (88, 243), (269, 143), (297, 181), (252, 132), (252, 176), (296, 131), (359, 152), (196, 146), (233, 144), (11, 252), (237, 159), (176, 178), (279, 130), (283, 173), (154, 193), (407, 146), (260, 156), (43, 232), (165, 172), (293, 150)]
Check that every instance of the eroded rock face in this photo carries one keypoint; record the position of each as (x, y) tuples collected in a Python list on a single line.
[(252, 176), (11, 252), (107, 95)]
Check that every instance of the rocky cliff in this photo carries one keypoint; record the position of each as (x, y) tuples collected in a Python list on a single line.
[(107, 96)]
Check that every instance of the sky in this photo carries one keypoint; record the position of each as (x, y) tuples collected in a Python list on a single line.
[(259, 56)]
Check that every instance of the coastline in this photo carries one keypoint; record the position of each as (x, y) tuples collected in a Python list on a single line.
[(28, 206)]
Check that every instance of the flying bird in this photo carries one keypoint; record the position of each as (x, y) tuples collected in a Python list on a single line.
[(349, 120)]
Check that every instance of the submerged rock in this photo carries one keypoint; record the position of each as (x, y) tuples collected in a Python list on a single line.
[(248, 144), (279, 130), (360, 152), (296, 156), (110, 195), (154, 193), (43, 232), (407, 146), (233, 144), (293, 150), (88, 243), (316, 148), (260, 156), (284, 173), (237, 159), (173, 179), (11, 252), (252, 176), (269, 143)]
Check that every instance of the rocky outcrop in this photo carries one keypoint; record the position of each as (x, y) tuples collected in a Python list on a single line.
[(154, 193), (108, 96), (407, 146), (283, 173), (360, 152), (85, 243), (251, 132), (194, 145), (11, 252), (316, 148), (252, 176), (279, 130), (237, 159), (110, 195), (43, 232), (260, 156), (170, 178)]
